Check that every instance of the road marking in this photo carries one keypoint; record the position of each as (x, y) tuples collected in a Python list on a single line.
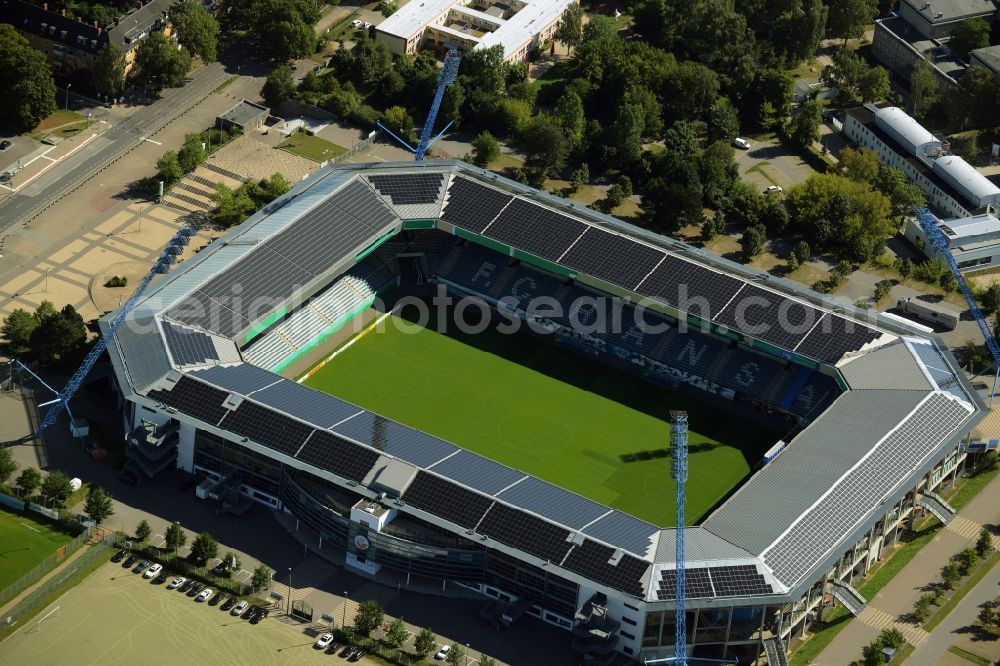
[(48, 158), (53, 163), (151, 141)]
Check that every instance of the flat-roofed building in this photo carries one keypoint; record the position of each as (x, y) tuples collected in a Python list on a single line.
[(517, 25), (939, 18), (974, 241)]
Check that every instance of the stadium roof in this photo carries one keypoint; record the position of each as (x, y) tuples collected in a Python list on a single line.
[(907, 401)]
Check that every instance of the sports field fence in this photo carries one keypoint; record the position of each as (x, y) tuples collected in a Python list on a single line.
[(46, 594), (44, 567)]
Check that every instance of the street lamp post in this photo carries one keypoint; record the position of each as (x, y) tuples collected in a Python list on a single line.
[(289, 611), (468, 653), (343, 616), (68, 86)]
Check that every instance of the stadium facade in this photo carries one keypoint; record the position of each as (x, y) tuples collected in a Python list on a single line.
[(880, 409)]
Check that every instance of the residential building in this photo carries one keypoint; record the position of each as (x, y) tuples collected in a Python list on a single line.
[(517, 25), (988, 57), (951, 185), (939, 18), (71, 46)]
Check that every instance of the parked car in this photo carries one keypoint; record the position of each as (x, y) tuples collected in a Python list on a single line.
[(334, 646), (129, 561), (153, 570), (323, 641), (357, 24), (357, 655), (177, 582), (139, 568), (119, 556), (239, 608), (443, 652), (204, 594), (186, 586), (198, 587), (230, 602), (742, 144), (347, 651), (249, 612), (162, 578), (219, 596), (5, 144), (773, 189)]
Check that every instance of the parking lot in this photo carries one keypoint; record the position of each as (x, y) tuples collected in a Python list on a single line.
[(117, 616)]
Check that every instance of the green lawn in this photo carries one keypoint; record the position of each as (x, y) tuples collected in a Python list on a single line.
[(311, 147), (547, 411), (24, 543)]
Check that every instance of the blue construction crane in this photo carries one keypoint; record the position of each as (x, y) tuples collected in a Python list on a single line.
[(448, 75), (679, 472), (61, 402), (936, 238)]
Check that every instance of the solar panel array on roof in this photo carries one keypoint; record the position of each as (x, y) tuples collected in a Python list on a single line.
[(195, 399), (534, 229), (690, 287), (592, 559), (473, 206), (697, 584), (612, 257), (769, 316), (939, 370), (336, 455), (526, 532), (742, 580), (833, 336), (187, 346), (319, 409), (242, 378), (447, 500), (812, 537), (266, 426), (397, 440), (553, 502), (477, 472), (622, 530), (410, 188)]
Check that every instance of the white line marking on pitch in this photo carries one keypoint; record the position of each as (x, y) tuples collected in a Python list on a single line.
[(31, 528), (347, 344)]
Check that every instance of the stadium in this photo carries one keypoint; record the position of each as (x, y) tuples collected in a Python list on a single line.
[(454, 377)]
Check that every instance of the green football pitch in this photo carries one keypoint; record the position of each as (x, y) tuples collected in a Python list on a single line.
[(24, 543), (547, 411)]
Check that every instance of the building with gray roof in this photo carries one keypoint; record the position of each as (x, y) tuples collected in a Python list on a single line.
[(880, 408)]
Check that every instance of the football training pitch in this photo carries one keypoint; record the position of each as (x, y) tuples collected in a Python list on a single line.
[(24, 543), (118, 617), (547, 411)]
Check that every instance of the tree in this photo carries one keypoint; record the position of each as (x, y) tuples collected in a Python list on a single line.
[(874, 84), (279, 86), (58, 337), (544, 145), (192, 153), (752, 242), (947, 282), (852, 76), (892, 637), (396, 634), (487, 661), (903, 195), (905, 267), (966, 560), (882, 289), (872, 654), (924, 88), (142, 530), (569, 114), (988, 616), (261, 577), (234, 206), (196, 29), (805, 126), (456, 655), (425, 642), (7, 465), (771, 98), (723, 121), (802, 252), (26, 79), (56, 486), (860, 164), (109, 71), (17, 329), (98, 504), (169, 169), (204, 547), (485, 149), (847, 18), (984, 544), (368, 617), (174, 537), (231, 562), (970, 34), (374, 61), (160, 63), (922, 608), (283, 28), (975, 99), (28, 482), (951, 574), (399, 121), (570, 30)]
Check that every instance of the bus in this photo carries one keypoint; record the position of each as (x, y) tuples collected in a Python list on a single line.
[(941, 314)]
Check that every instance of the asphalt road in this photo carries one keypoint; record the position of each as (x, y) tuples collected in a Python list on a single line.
[(24, 205)]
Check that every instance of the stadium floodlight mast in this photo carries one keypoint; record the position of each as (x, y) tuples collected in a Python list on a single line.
[(449, 72)]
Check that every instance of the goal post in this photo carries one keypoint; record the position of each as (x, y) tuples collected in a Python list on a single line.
[(52, 613)]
